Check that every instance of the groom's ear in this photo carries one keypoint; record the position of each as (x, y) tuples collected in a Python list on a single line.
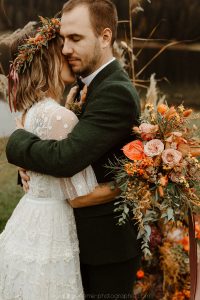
[(106, 37)]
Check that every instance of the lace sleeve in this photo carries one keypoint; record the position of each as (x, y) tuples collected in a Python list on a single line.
[(60, 124)]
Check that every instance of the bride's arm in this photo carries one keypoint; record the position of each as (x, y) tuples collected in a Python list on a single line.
[(102, 194)]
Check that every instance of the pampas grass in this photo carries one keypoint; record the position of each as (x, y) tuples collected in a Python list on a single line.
[(9, 38)]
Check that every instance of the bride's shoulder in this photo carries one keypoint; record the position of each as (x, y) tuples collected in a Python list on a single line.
[(50, 108), (51, 105), (59, 112)]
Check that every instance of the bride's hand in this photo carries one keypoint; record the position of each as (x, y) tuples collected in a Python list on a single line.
[(71, 96), (25, 179), (102, 194)]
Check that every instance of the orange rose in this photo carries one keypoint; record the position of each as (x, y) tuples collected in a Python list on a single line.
[(162, 108), (140, 274), (134, 150)]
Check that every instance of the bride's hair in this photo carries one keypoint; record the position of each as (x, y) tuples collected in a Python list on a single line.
[(42, 78)]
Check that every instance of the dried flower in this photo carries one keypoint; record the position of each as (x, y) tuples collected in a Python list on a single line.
[(175, 176), (170, 113), (187, 113), (185, 243), (163, 180), (183, 148)]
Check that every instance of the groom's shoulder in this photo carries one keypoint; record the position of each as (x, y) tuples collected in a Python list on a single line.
[(118, 77), (112, 87), (118, 83)]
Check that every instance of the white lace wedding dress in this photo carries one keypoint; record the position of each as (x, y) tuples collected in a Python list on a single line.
[(39, 252)]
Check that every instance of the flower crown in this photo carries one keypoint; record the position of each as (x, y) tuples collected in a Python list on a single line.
[(32, 45)]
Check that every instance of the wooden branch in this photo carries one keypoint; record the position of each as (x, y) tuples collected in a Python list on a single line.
[(142, 43)]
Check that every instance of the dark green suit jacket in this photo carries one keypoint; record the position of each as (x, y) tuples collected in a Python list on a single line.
[(111, 110)]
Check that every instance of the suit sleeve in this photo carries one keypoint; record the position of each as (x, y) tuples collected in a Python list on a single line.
[(106, 119)]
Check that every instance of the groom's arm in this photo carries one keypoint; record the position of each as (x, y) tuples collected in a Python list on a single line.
[(107, 118)]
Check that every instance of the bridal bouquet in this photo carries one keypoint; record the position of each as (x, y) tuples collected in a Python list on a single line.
[(159, 175)]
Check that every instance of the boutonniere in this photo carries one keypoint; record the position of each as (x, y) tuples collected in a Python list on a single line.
[(72, 103)]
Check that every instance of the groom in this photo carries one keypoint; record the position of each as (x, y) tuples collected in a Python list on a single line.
[(109, 254)]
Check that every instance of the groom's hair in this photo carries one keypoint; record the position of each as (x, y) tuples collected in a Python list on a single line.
[(103, 14)]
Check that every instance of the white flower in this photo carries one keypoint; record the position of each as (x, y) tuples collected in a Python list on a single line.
[(153, 148)]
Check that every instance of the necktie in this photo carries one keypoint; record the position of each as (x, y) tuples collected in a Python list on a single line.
[(80, 84)]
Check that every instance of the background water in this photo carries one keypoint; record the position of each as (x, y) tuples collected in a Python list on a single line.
[(7, 120)]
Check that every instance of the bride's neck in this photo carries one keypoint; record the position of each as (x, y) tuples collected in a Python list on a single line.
[(50, 95)]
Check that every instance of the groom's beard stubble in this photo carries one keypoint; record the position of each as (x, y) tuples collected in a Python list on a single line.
[(88, 64)]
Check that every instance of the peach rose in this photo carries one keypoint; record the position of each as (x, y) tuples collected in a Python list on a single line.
[(171, 157), (153, 148), (134, 150), (148, 131)]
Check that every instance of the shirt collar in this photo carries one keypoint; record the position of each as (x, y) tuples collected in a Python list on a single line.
[(87, 80)]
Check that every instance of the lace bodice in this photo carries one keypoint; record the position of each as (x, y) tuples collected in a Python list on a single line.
[(39, 252), (49, 120)]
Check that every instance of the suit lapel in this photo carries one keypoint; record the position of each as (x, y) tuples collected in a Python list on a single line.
[(101, 76)]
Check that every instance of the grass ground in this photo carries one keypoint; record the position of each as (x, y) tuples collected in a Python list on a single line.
[(10, 193)]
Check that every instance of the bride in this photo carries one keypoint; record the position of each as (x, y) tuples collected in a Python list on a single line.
[(39, 253)]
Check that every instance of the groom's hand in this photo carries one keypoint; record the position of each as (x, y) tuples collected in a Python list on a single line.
[(71, 97), (25, 179)]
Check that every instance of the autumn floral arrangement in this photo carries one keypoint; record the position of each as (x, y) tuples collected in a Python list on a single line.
[(166, 274), (159, 174)]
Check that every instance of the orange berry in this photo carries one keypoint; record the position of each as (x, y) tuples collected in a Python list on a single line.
[(140, 274)]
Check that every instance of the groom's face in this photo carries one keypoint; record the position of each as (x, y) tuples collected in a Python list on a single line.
[(82, 48)]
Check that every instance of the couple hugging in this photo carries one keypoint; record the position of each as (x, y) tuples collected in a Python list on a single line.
[(62, 241)]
